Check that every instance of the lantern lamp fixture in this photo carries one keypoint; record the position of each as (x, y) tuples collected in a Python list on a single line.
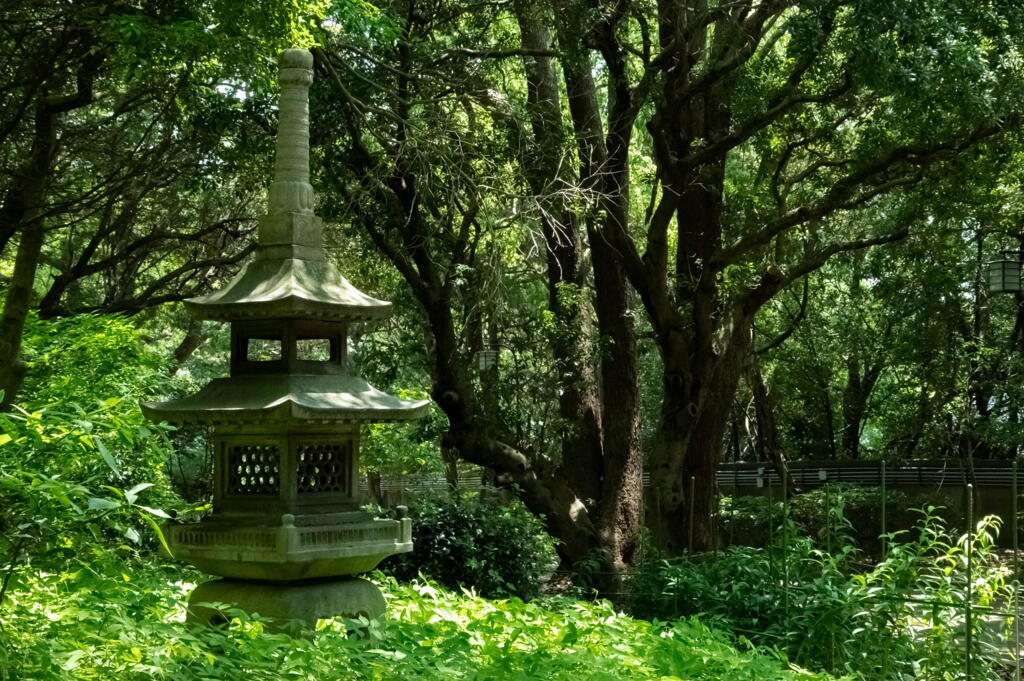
[(1004, 274)]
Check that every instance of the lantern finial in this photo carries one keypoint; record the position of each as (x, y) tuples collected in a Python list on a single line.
[(290, 229)]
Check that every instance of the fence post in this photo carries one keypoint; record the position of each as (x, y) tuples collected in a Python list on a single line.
[(770, 546), (884, 498), (693, 486), (828, 519), (657, 515), (785, 545), (969, 618), (1016, 576)]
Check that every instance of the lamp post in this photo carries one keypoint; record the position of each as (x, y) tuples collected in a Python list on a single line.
[(287, 536)]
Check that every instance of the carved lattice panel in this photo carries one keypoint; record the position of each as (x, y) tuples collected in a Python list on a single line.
[(323, 468), (253, 469)]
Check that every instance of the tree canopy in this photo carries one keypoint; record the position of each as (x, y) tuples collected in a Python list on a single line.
[(623, 237)]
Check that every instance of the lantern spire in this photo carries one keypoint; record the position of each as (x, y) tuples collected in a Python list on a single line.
[(290, 276), (290, 229)]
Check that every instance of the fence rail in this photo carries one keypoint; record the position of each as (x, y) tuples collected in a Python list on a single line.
[(802, 474), (810, 474)]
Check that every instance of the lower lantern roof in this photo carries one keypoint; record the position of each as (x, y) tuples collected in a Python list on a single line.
[(286, 398)]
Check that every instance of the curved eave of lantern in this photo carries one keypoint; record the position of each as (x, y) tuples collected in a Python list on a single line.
[(287, 398), (289, 288)]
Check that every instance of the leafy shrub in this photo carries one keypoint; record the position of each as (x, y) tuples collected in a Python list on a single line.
[(404, 448), (862, 513), (83, 474), (902, 619), (754, 520), (125, 624), (85, 359), (748, 520), (477, 541)]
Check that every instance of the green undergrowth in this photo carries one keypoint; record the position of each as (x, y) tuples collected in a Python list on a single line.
[(105, 624)]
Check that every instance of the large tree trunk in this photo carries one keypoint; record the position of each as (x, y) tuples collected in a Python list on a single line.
[(860, 383), (23, 211), (767, 426), (16, 308), (604, 167), (693, 422)]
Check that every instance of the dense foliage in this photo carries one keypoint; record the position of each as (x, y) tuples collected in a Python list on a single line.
[(471, 541), (622, 238), (903, 618), (126, 626), (830, 513), (592, 276), (81, 472)]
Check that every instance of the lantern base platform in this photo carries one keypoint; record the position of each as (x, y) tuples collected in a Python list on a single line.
[(286, 604), (320, 547)]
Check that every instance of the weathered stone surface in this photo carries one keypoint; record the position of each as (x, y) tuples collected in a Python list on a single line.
[(307, 602), (289, 288), (290, 276), (288, 552), (286, 512), (287, 398)]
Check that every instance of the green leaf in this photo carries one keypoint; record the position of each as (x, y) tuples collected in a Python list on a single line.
[(133, 494), (160, 535), (98, 504), (155, 511), (107, 456)]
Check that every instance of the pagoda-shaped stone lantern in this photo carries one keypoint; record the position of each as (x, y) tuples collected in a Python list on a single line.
[(287, 535)]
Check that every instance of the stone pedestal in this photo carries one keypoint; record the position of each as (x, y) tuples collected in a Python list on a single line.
[(306, 602)]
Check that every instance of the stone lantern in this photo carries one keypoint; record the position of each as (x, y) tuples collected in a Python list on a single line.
[(287, 534)]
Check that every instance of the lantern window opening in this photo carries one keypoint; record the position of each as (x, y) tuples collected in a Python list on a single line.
[(316, 349), (264, 349)]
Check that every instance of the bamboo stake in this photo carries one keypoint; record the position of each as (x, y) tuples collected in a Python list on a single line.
[(969, 619)]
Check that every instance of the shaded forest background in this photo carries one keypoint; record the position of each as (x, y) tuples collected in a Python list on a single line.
[(620, 236)]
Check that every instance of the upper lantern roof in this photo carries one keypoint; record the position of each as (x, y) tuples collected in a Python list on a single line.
[(290, 276)]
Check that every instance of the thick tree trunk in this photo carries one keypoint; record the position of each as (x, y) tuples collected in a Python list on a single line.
[(190, 342), (16, 308), (621, 512), (374, 487), (603, 458), (860, 383), (693, 422), (23, 210)]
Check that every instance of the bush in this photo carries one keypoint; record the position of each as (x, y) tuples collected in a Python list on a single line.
[(862, 514), (81, 472), (86, 358), (754, 520), (748, 520), (477, 541), (814, 607)]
